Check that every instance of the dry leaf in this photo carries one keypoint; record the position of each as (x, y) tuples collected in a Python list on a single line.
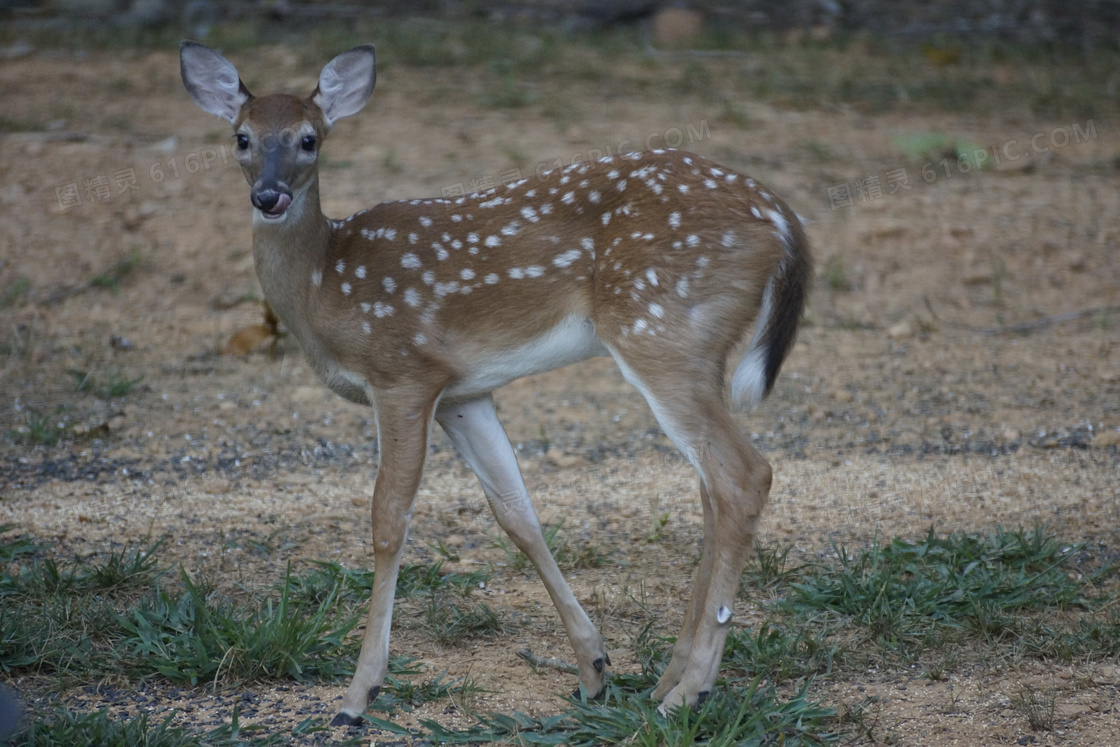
[(246, 339)]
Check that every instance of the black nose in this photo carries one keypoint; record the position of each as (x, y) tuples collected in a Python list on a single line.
[(265, 199)]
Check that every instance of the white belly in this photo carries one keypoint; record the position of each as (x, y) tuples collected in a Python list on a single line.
[(572, 340)]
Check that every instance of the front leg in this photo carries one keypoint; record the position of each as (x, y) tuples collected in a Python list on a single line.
[(403, 426)]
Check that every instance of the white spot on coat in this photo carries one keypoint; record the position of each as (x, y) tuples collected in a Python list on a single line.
[(388, 284), (567, 258), (410, 261)]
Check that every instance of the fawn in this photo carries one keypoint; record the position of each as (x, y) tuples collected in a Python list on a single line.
[(665, 261)]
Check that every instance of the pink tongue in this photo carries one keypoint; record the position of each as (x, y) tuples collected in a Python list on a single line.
[(281, 205)]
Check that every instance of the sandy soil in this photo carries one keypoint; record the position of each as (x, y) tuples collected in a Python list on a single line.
[(895, 412)]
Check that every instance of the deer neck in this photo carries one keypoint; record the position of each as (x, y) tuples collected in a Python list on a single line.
[(288, 252)]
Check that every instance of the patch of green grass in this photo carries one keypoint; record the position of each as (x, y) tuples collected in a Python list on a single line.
[(963, 155), (568, 555), (572, 555), (135, 567), (450, 624), (102, 617), (113, 275), (64, 727), (770, 568), (818, 151), (196, 638), (15, 547), (119, 570), (355, 586), (695, 79), (781, 655), (1037, 708), (7, 124), (901, 592), (735, 115), (115, 384), (400, 694), (39, 429), (505, 90), (14, 292), (835, 275), (751, 713), (1089, 637), (444, 551)]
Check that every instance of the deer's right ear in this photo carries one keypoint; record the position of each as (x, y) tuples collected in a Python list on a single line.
[(212, 81)]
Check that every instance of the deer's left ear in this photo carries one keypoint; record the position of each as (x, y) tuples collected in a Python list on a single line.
[(346, 83)]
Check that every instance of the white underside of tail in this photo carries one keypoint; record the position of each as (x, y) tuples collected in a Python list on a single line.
[(748, 385)]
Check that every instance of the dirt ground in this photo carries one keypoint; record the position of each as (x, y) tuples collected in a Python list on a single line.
[(897, 410)]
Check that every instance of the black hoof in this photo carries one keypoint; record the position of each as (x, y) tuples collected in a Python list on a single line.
[(342, 718), (701, 697)]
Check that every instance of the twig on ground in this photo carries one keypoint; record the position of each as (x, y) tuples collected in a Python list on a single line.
[(1024, 327), (543, 662)]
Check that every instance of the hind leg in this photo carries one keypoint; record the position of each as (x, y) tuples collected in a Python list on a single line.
[(672, 674), (735, 479), (738, 481)]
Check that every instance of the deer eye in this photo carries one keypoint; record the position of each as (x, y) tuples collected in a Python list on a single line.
[(242, 141), (308, 142)]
